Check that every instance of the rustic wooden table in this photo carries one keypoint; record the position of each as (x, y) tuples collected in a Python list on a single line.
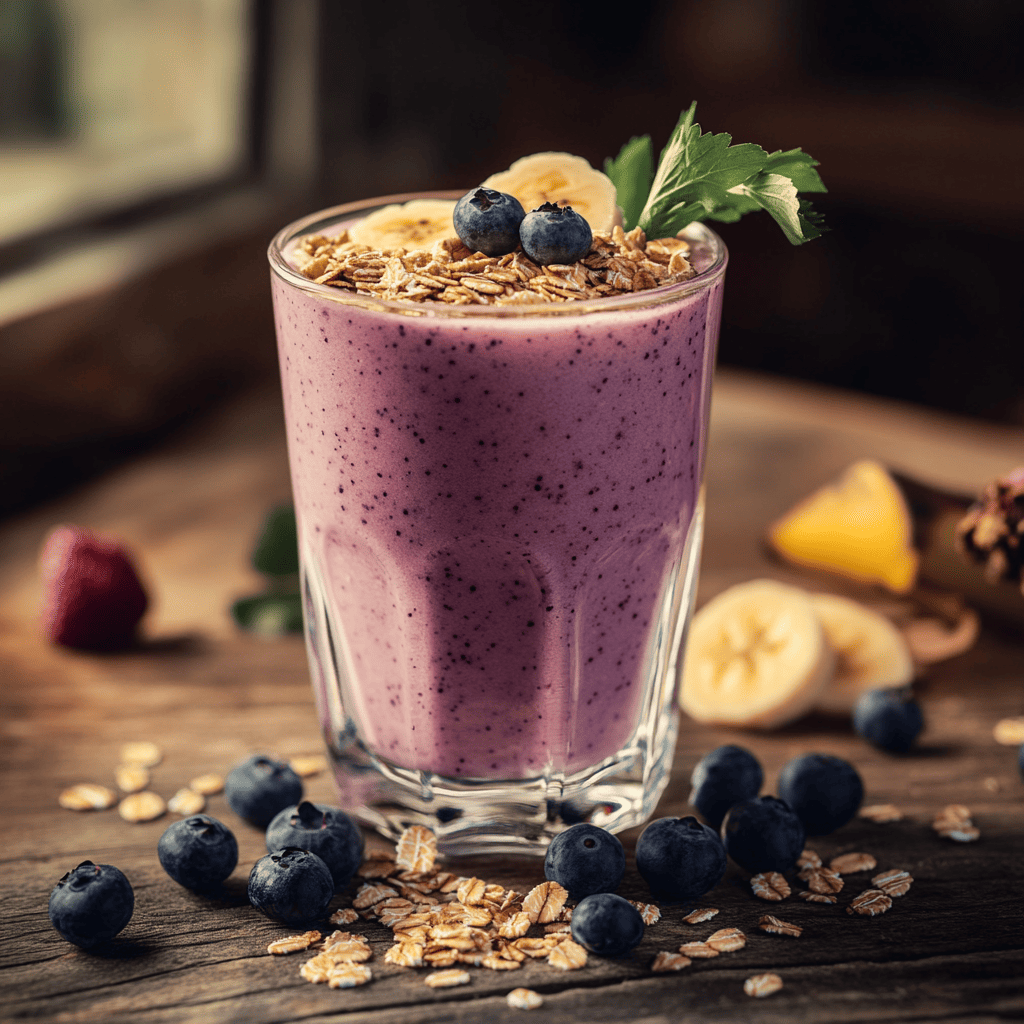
[(951, 949)]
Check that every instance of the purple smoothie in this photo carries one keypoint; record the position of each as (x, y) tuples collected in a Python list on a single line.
[(496, 507)]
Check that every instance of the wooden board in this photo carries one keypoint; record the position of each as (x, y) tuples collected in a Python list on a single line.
[(951, 949)]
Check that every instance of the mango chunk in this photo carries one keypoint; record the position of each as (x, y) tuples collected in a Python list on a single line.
[(858, 526)]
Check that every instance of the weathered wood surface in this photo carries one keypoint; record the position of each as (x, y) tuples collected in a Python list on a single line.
[(951, 949)]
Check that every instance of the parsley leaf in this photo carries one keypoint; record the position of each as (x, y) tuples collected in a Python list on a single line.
[(631, 173), (702, 176)]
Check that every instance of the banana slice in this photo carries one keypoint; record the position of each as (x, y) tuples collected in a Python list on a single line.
[(564, 179), (417, 224), (756, 656), (870, 651)]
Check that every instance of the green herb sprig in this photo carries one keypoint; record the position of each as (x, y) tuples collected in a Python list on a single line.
[(702, 176)]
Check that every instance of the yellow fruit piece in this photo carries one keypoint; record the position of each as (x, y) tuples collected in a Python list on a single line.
[(859, 526), (417, 224)]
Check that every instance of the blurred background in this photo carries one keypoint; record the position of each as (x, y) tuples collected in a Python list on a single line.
[(149, 149)]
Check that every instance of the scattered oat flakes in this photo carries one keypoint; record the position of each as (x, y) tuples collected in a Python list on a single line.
[(376, 867), (391, 916), (816, 897), (131, 778), (822, 880), (1009, 732), (447, 979), (143, 806), (770, 885), (293, 943), (670, 962), (314, 971), (568, 956), (87, 796), (954, 822), (851, 863), (955, 812), (881, 813), (560, 928), (307, 765), (369, 895), (344, 916), (405, 954), (416, 849), (648, 911), (808, 859), (700, 915), (516, 926), (991, 784), (871, 902), (499, 963), (186, 801), (143, 753), (961, 833), (893, 883), (348, 975), (471, 891), (726, 940), (776, 926), (352, 950), (207, 784), (524, 999), (441, 956), (544, 902), (761, 985), (698, 950)]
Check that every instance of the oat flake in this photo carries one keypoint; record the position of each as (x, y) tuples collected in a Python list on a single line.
[(416, 849), (544, 902), (208, 784), (447, 979), (851, 863), (808, 859), (293, 943), (186, 801), (568, 956), (881, 813), (761, 985), (893, 883), (145, 806), (776, 926), (726, 940), (700, 915), (648, 911), (499, 963), (87, 796), (871, 903), (670, 962), (308, 765), (524, 999), (348, 975), (131, 778), (770, 885), (698, 950), (345, 916), (816, 897), (823, 880), (143, 753)]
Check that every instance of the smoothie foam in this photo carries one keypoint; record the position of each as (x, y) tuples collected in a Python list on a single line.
[(496, 509)]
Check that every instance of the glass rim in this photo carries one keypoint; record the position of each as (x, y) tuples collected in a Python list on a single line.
[(648, 298)]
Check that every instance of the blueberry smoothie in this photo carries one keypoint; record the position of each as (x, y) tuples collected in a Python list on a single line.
[(497, 517)]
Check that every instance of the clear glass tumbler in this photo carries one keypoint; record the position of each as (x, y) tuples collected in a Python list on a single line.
[(500, 521)]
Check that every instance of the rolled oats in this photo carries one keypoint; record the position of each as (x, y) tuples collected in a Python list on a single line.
[(852, 863), (538, 948), (186, 801), (808, 859), (87, 796), (130, 778), (881, 813), (293, 943), (544, 902), (440, 956), (822, 880), (648, 911), (208, 784), (760, 985), (770, 885), (524, 999), (447, 979), (369, 895), (568, 956), (143, 753), (348, 975), (670, 962), (700, 915), (350, 950), (417, 849), (893, 883), (726, 940), (499, 963), (871, 902), (516, 926), (776, 926), (138, 807), (816, 897), (307, 765), (698, 950), (344, 916), (471, 890)]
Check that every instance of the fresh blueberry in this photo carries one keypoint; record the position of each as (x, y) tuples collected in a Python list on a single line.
[(198, 852), (763, 834), (679, 858), (91, 904), (259, 787), (722, 778), (607, 924), (291, 886), (824, 791), (555, 234), (488, 221), (585, 859), (889, 719), (326, 831)]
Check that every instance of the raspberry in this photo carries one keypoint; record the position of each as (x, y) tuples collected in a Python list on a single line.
[(92, 597)]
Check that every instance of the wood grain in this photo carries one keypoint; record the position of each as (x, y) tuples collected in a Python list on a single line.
[(951, 949)]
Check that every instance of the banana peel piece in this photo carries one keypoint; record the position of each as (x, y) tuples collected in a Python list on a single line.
[(756, 657), (870, 652), (858, 526)]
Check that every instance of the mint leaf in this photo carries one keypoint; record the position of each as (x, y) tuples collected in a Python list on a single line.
[(704, 177), (631, 173)]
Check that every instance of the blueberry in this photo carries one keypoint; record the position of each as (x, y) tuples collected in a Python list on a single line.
[(488, 221), (259, 787), (889, 719), (679, 858), (763, 834), (585, 859), (198, 852), (291, 886), (91, 904), (824, 791), (722, 778), (555, 234), (607, 924), (326, 831)]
